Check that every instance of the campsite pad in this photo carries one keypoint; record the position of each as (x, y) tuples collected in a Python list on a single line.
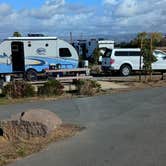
[(106, 85)]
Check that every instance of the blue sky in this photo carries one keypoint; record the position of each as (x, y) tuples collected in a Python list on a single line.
[(88, 17), (19, 4)]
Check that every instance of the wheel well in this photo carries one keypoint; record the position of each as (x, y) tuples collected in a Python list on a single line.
[(126, 64), (30, 72), (31, 69)]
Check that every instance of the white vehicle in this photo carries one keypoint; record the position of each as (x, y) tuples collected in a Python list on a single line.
[(123, 60), (128, 60), (31, 55), (160, 65)]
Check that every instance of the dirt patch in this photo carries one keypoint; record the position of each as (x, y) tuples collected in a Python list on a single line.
[(10, 151), (106, 85), (127, 86)]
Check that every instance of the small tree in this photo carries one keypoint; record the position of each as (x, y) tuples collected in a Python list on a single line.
[(17, 34), (148, 49), (140, 41), (95, 57)]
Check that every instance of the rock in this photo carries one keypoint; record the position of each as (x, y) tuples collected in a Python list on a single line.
[(45, 117), (16, 130)]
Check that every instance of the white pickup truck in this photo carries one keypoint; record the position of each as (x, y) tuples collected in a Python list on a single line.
[(128, 60)]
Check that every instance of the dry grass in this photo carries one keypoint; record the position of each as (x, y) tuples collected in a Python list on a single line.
[(135, 85), (10, 151)]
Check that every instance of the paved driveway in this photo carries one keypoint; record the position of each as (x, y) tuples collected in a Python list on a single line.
[(122, 130)]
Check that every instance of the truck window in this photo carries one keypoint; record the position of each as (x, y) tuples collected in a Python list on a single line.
[(64, 52), (134, 53), (121, 53)]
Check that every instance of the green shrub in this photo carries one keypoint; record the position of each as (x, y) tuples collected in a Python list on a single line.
[(18, 89), (51, 88), (87, 87)]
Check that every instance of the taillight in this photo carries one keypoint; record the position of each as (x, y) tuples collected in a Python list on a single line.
[(112, 61)]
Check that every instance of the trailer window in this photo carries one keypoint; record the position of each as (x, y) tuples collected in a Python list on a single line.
[(64, 52)]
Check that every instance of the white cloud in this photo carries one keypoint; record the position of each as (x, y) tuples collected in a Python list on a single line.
[(60, 17), (5, 9), (127, 8), (137, 15)]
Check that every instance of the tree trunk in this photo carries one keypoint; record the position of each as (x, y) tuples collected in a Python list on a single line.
[(140, 61), (151, 52)]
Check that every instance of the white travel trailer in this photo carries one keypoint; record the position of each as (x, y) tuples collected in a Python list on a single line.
[(106, 44), (31, 55)]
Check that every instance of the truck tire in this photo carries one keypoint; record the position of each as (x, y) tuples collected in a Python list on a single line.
[(125, 70), (31, 75)]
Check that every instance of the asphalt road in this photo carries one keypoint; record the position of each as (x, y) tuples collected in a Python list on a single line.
[(126, 129)]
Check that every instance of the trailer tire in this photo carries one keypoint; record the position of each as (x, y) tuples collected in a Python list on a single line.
[(31, 75), (125, 70)]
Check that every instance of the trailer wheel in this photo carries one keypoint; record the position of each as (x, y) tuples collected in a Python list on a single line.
[(31, 75), (125, 70)]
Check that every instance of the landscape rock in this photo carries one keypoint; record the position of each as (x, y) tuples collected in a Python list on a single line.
[(29, 124), (45, 117), (16, 130)]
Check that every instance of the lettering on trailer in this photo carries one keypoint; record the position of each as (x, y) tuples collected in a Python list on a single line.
[(41, 51)]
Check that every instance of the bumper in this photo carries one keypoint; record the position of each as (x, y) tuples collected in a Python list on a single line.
[(107, 68)]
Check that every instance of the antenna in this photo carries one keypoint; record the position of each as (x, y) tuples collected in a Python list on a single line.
[(71, 38)]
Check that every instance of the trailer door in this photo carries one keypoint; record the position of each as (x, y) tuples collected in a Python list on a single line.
[(18, 61)]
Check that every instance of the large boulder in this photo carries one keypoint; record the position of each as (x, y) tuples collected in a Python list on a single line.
[(16, 130), (45, 117)]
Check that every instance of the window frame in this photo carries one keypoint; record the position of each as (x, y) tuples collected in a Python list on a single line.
[(65, 56), (121, 52), (128, 53)]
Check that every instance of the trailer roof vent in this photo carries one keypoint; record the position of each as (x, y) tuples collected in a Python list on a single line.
[(36, 35)]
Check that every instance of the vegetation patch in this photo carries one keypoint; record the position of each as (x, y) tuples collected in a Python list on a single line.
[(22, 89), (87, 87), (51, 88), (18, 89), (10, 151)]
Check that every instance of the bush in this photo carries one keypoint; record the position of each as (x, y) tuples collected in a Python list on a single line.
[(18, 89), (87, 87), (51, 88), (96, 69)]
